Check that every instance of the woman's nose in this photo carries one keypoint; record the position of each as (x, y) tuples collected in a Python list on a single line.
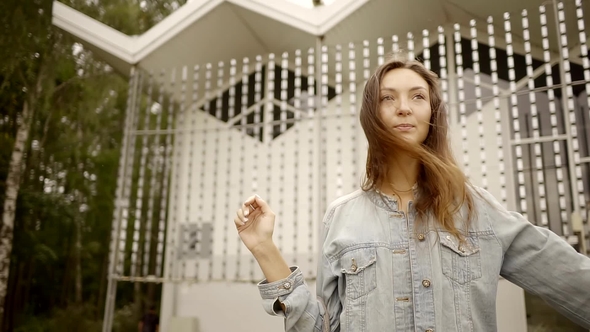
[(403, 108)]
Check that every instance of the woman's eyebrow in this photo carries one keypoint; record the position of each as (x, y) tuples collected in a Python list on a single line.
[(411, 89)]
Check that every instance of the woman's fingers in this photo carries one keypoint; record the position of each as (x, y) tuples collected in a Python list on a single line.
[(249, 205), (238, 222), (241, 219), (251, 209), (264, 208), (255, 202), (240, 215)]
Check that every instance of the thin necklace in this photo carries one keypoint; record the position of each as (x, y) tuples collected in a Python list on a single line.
[(400, 191)]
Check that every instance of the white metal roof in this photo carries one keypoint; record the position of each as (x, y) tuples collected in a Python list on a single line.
[(209, 31)]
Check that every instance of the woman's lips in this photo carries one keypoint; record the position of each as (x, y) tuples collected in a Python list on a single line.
[(404, 127)]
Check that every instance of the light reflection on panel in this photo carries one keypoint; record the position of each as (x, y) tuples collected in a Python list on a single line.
[(478, 103), (323, 114), (268, 140), (240, 273), (461, 99), (268, 127), (258, 102), (283, 172), (578, 184), (426, 47), (583, 49), (214, 264), (514, 116), (559, 165), (338, 120), (537, 163), (231, 165), (497, 112), (586, 66), (182, 254), (380, 52), (394, 44), (311, 106), (444, 82), (201, 270), (297, 231), (411, 54), (352, 112)]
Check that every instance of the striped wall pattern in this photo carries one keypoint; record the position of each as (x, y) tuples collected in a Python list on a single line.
[(200, 139)]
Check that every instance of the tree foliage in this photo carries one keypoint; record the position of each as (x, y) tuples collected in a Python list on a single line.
[(65, 202)]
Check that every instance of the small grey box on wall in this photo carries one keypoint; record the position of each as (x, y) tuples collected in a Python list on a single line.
[(196, 241)]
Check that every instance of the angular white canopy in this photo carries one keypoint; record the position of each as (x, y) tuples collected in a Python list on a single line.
[(209, 31)]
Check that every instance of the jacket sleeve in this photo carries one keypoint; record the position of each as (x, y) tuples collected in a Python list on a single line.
[(542, 263), (303, 311)]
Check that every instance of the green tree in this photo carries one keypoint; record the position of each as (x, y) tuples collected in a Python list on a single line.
[(74, 136), (61, 113), (23, 68)]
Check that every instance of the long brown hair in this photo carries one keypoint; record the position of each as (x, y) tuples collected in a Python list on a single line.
[(442, 186)]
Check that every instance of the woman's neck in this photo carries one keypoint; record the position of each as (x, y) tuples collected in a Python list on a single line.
[(402, 175)]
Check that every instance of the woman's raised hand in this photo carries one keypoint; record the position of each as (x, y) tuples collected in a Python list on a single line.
[(255, 223)]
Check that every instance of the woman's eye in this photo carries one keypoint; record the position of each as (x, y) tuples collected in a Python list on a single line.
[(387, 98), (419, 96)]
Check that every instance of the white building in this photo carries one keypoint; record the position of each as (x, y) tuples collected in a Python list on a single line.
[(205, 131)]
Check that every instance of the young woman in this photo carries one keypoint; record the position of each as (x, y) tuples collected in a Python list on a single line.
[(418, 248)]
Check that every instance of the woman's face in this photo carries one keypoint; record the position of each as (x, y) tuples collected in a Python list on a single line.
[(405, 104)]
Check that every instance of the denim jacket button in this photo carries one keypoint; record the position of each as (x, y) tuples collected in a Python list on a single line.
[(421, 237), (353, 267), (287, 285), (429, 330), (426, 283), (396, 214)]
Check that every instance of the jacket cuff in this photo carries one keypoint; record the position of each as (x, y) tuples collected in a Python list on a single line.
[(276, 289)]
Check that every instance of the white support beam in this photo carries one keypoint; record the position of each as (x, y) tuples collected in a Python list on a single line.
[(524, 81), (93, 32), (541, 139), (483, 84)]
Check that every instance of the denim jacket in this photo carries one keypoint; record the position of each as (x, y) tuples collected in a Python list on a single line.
[(379, 270)]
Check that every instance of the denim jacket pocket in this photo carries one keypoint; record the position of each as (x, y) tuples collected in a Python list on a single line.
[(359, 270), (461, 262)]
